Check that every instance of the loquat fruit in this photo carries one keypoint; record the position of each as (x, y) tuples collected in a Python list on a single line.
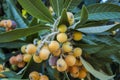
[(77, 36), (78, 63), (1, 67), (43, 77), (61, 65), (82, 74), (53, 46), (34, 75), (27, 57), (67, 47), (77, 52), (62, 28), (21, 64), (19, 58), (44, 54), (70, 18), (70, 60), (13, 60), (31, 49), (57, 52), (37, 59), (23, 49), (62, 37)]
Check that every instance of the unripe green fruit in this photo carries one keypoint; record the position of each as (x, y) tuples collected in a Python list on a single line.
[(62, 28), (77, 36), (27, 57), (70, 18), (77, 52), (23, 48)]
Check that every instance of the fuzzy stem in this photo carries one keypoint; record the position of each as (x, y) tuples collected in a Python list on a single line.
[(20, 72), (45, 40)]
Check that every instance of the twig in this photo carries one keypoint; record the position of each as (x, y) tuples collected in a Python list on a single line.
[(45, 40), (20, 72)]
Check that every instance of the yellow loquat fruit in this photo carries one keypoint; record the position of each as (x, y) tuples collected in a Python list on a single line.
[(62, 37)]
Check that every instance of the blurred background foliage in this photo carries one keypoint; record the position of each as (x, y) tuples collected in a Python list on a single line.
[(11, 9)]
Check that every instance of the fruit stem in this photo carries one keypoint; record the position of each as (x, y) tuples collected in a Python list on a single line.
[(20, 72), (45, 40)]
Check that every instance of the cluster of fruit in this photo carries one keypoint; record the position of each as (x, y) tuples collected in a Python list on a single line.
[(37, 76), (19, 60), (3, 69), (8, 24)]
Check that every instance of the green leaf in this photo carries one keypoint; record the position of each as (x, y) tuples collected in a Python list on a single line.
[(57, 6), (32, 66), (84, 15), (91, 48), (96, 29), (71, 4), (37, 9), (63, 18), (10, 74), (102, 11), (95, 73), (91, 23), (18, 33), (13, 44), (2, 55), (104, 16)]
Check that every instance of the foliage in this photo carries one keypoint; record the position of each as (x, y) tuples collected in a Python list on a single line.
[(96, 22)]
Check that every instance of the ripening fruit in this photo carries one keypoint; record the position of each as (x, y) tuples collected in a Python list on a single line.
[(70, 60), (19, 58), (82, 74), (62, 28), (26, 57), (2, 75), (14, 67), (43, 77), (44, 54), (62, 37), (53, 46), (61, 65), (70, 18), (77, 52), (34, 75), (51, 10), (3, 23), (74, 71), (9, 23), (13, 60), (1, 67), (52, 60), (37, 59), (23, 49), (67, 47), (21, 64), (57, 52), (77, 36), (31, 49), (78, 63)]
